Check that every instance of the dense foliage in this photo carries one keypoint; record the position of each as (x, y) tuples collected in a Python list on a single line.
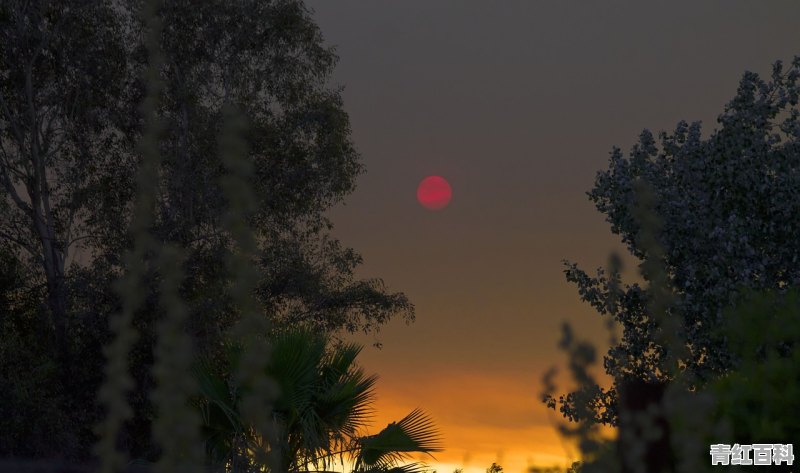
[(72, 79), (755, 398), (729, 215), (747, 406)]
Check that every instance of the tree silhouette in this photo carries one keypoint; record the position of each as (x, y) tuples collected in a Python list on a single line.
[(729, 216), (72, 78), (494, 468), (323, 403)]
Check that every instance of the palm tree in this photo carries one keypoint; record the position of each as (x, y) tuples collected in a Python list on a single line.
[(324, 400), (323, 397)]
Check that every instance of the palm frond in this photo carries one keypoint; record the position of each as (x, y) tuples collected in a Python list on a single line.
[(348, 402), (218, 406), (216, 394), (416, 467), (341, 361), (415, 433), (296, 355), (323, 399)]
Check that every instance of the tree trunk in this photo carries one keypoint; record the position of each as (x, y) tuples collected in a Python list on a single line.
[(642, 424)]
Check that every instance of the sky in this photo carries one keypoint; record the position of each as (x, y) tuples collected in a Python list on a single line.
[(517, 104)]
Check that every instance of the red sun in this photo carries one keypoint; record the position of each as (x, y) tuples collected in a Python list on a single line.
[(434, 193)]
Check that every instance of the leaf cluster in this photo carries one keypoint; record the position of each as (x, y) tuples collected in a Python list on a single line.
[(728, 213)]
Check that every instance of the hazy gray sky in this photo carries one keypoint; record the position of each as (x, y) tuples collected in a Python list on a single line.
[(517, 104)]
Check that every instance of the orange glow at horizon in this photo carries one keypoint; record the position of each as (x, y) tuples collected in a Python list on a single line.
[(515, 123), (482, 419)]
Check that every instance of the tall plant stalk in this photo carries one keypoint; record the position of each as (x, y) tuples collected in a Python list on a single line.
[(118, 381), (252, 329)]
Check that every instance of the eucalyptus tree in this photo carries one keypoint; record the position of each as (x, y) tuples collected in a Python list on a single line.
[(62, 68), (729, 211), (63, 72), (71, 81), (269, 60)]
